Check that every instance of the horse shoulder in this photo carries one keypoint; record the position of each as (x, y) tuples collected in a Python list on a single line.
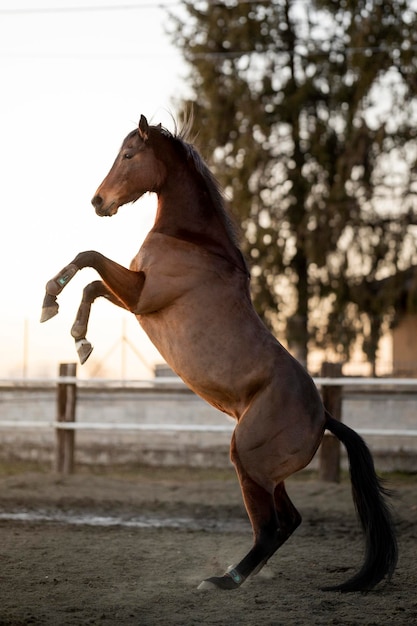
[(172, 268)]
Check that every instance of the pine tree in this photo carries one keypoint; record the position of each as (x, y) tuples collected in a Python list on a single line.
[(306, 112)]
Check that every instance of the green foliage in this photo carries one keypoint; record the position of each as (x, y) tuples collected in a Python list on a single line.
[(307, 113)]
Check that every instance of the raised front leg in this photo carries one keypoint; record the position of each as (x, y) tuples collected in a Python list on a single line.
[(273, 517), (53, 288), (123, 283), (121, 286), (92, 291)]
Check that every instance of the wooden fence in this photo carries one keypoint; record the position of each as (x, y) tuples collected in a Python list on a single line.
[(65, 423)]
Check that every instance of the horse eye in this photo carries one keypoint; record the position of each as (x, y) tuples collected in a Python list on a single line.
[(127, 155)]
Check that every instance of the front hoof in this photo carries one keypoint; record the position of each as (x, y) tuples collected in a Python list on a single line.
[(49, 307), (49, 312), (84, 349)]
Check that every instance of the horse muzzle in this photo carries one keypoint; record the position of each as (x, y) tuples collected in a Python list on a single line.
[(104, 209)]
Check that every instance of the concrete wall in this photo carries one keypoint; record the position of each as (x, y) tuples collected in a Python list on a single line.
[(361, 408)]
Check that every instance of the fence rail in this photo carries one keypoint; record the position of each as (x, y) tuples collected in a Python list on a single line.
[(161, 381), (66, 425), (161, 427)]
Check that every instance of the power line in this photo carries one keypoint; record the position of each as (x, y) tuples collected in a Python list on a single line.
[(88, 9), (225, 54), (166, 4)]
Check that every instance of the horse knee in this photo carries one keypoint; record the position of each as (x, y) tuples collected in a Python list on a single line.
[(94, 290), (58, 282)]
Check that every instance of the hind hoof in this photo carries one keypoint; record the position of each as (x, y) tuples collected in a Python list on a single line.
[(207, 585), (84, 349), (222, 582)]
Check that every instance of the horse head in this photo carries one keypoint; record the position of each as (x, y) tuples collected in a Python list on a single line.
[(135, 171)]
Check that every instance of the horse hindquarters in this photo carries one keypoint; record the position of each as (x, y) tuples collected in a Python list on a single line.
[(381, 545)]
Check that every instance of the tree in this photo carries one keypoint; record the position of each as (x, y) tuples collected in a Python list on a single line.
[(306, 112)]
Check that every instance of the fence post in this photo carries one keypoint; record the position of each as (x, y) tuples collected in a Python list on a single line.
[(329, 460), (65, 439)]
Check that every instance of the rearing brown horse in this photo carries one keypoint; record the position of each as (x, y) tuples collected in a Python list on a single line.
[(189, 289)]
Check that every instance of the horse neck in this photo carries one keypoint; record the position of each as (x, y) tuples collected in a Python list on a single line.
[(186, 211)]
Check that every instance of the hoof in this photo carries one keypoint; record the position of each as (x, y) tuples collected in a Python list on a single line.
[(207, 585), (84, 349), (231, 580), (48, 312)]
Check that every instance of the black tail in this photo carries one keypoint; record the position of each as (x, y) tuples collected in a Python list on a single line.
[(368, 495)]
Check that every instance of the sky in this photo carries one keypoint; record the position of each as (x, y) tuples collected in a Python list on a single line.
[(74, 81)]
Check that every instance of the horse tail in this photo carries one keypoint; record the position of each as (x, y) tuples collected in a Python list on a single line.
[(368, 495)]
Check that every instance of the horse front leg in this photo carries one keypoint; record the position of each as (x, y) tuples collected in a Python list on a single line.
[(120, 285), (125, 284), (53, 288), (92, 291)]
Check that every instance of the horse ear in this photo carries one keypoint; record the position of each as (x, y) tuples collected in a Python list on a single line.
[(143, 128)]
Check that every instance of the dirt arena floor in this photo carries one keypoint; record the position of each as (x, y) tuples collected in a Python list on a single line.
[(132, 547)]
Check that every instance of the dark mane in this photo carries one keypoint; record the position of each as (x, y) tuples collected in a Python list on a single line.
[(209, 180)]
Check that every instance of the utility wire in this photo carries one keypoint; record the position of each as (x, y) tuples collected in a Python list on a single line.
[(327, 49), (166, 4), (109, 7), (88, 9)]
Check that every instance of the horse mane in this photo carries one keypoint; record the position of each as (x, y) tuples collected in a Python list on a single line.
[(181, 139)]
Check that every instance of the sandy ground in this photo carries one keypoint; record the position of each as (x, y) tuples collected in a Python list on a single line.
[(132, 548)]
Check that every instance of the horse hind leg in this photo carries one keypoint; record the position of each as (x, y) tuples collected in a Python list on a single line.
[(273, 517), (92, 291)]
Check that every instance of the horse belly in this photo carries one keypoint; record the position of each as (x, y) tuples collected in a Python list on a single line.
[(218, 350)]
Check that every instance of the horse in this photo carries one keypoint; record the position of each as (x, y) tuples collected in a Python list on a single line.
[(189, 288)]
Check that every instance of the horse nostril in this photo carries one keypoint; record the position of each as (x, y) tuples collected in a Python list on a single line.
[(97, 201)]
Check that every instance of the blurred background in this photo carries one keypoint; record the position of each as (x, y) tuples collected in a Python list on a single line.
[(305, 110)]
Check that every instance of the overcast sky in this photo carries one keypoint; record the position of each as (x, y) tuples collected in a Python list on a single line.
[(74, 82)]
